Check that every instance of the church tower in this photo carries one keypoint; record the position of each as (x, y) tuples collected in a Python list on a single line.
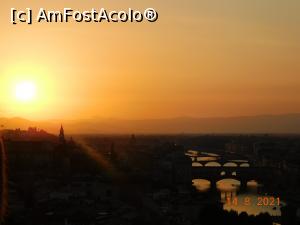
[(61, 136)]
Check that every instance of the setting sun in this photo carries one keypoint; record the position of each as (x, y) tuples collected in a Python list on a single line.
[(25, 91)]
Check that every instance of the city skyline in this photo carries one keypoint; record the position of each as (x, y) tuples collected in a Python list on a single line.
[(149, 112)]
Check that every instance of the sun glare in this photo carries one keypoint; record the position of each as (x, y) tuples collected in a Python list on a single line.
[(25, 91)]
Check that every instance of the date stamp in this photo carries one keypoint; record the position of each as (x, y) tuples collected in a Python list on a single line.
[(258, 201)]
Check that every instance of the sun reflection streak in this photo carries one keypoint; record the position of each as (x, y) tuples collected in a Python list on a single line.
[(96, 156)]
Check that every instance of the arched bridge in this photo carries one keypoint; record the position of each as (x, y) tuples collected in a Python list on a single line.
[(224, 160), (243, 174), (223, 163)]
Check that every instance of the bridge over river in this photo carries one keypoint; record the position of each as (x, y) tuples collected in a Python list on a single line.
[(243, 174), (214, 168)]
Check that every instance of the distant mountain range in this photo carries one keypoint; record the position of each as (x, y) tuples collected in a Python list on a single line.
[(286, 123)]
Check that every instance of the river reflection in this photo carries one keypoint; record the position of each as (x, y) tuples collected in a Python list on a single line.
[(202, 156), (209, 154), (213, 164), (230, 164), (206, 158), (196, 164), (191, 153), (201, 185), (228, 185), (245, 165), (229, 188)]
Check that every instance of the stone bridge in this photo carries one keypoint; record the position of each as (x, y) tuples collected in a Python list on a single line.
[(222, 160), (225, 163), (243, 174)]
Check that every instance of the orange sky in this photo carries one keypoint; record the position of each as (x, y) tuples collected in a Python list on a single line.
[(200, 59)]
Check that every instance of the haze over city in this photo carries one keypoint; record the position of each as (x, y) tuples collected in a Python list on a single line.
[(191, 119), (200, 59)]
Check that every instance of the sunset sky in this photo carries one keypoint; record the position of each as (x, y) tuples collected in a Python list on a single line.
[(202, 58)]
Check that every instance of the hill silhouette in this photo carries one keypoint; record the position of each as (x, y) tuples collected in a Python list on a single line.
[(286, 123)]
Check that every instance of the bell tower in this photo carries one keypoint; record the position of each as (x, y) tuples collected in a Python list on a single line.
[(61, 136)]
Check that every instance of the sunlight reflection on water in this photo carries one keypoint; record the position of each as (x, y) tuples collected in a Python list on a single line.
[(230, 188)]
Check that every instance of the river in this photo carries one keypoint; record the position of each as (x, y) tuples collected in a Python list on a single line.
[(251, 200)]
